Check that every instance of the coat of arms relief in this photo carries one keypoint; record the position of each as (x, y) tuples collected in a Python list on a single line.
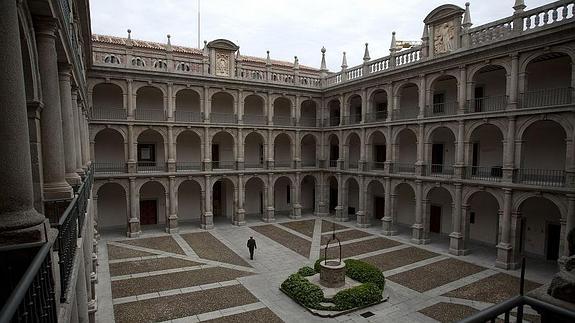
[(222, 64), (444, 37)]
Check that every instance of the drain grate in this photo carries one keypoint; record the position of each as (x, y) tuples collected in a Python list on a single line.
[(367, 314)]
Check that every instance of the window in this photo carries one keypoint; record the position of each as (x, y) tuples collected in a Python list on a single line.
[(111, 59), (138, 61), (146, 152), (472, 217), (438, 102), (184, 67), (159, 64)]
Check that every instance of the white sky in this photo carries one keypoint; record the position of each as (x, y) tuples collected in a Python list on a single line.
[(285, 28)]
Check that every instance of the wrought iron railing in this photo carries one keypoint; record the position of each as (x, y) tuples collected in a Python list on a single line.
[(405, 113), (442, 109), (110, 167), (353, 164), (151, 167), (150, 114), (283, 164), (547, 97), (333, 163), (188, 166), (252, 164), (332, 122), (308, 163), (188, 116), (377, 166), (283, 121), (109, 113), (540, 177), (254, 119), (352, 119), (492, 174), (223, 164), (437, 170), (487, 104), (308, 122), (378, 116), (223, 117), (403, 168)]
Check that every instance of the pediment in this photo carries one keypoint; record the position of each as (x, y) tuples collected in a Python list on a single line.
[(443, 12), (223, 44)]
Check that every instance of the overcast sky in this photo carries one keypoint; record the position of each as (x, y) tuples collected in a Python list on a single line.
[(285, 28)]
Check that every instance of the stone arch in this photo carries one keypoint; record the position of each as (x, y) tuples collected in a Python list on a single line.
[(255, 195), (473, 70), (112, 205), (439, 204), (96, 129), (226, 187), (524, 124), (470, 127), (468, 193), (398, 130), (197, 180), (227, 152), (520, 197), (109, 147), (32, 82), (283, 157), (254, 149), (431, 129), (189, 152), (431, 79), (524, 60), (283, 194), (309, 147), (222, 102), (189, 200)]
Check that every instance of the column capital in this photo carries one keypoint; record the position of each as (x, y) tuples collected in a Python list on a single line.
[(46, 26)]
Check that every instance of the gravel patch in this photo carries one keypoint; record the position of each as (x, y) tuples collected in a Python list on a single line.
[(447, 312), (327, 226), (345, 236), (493, 289), (263, 315), (291, 241), (206, 246), (436, 274), (165, 243), (361, 247), (399, 258), (156, 283), (304, 227), (176, 306), (148, 265), (115, 252)]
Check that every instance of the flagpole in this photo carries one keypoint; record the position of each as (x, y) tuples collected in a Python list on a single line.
[(198, 24)]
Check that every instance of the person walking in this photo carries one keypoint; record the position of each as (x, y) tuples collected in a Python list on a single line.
[(251, 247)]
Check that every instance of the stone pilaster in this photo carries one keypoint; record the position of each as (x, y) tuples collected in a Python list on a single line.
[(172, 223), (208, 216), (77, 136), (68, 125), (134, 221), (504, 248), (459, 216)]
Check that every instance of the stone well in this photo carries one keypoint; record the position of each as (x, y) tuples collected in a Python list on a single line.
[(332, 273)]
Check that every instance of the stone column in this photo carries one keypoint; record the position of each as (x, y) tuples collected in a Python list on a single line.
[(81, 291), (295, 189), (132, 148), (208, 218), (340, 214), (19, 221), (206, 109), (422, 96), (509, 151), (420, 164), (241, 106), (55, 185), (504, 250), (513, 82), (387, 222), (364, 104), (390, 103), (270, 109), (569, 225), (171, 150), (207, 150), (171, 101), (419, 235), (131, 103), (77, 136), (270, 211), (361, 214), (85, 138), (68, 125), (241, 213), (388, 151), (343, 112), (296, 151), (456, 238), (240, 161), (172, 223), (270, 149), (362, 153), (460, 150), (462, 90), (134, 221)]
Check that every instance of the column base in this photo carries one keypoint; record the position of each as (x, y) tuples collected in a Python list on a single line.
[(296, 212), (171, 166), (505, 257), (457, 244), (269, 215), (239, 223), (132, 167), (361, 220), (388, 228), (57, 191), (240, 218), (73, 178), (172, 225), (339, 214), (80, 172), (418, 234), (28, 232), (134, 228), (208, 222)]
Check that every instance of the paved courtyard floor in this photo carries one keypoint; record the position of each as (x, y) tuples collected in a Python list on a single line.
[(197, 275)]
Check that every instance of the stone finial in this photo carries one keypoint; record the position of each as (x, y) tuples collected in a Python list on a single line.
[(344, 62), (323, 64), (519, 6), (295, 62), (238, 54), (169, 43), (466, 17), (392, 46), (425, 34), (366, 57), (268, 59), (130, 34), (205, 51)]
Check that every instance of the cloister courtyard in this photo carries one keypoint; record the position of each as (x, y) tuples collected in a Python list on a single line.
[(198, 275)]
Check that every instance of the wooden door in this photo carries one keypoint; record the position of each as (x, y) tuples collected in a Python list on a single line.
[(148, 212), (379, 208), (435, 219), (553, 239)]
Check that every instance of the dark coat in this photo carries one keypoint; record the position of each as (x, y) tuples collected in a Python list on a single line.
[(252, 243)]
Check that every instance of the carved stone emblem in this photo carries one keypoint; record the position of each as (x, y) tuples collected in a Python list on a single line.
[(444, 37), (222, 64)]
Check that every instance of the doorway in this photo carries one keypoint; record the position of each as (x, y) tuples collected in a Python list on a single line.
[(148, 212), (216, 154), (217, 199), (379, 202), (552, 240), (437, 158), (435, 219)]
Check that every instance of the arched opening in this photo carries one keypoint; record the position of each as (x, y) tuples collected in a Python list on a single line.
[(375, 208), (307, 196), (255, 199), (150, 104), (377, 151), (543, 154), (443, 96), (109, 154), (282, 151), (354, 109), (282, 112), (483, 220), (333, 150), (308, 114), (489, 89), (332, 194), (283, 195), (438, 212), (152, 204), (189, 202), (541, 229), (441, 152), (112, 207), (378, 106), (188, 108), (151, 152), (254, 112), (351, 205), (188, 151), (108, 102), (223, 200), (407, 152), (404, 206), (485, 153), (254, 150), (308, 151), (334, 113), (222, 109), (223, 152), (353, 151), (408, 105), (548, 81)]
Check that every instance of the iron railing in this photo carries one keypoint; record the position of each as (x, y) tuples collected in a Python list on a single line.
[(442, 109), (376, 116), (254, 119), (223, 164), (283, 164), (332, 122), (308, 122), (109, 113), (283, 121), (188, 116), (333, 163), (540, 177), (308, 163), (492, 174), (223, 117), (353, 164), (188, 166), (437, 170), (252, 164), (150, 114), (352, 119), (405, 113), (403, 168), (377, 166), (110, 167), (547, 97), (151, 167), (487, 104), (66, 244)]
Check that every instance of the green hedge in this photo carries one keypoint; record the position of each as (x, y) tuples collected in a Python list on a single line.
[(299, 288), (361, 295), (364, 272), (306, 271), (317, 266)]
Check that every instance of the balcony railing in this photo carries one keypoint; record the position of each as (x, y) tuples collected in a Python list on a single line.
[(353, 164), (283, 164), (333, 163), (332, 122), (376, 116), (151, 167), (109, 113), (223, 118), (376, 166), (223, 164), (308, 122), (150, 114), (540, 177), (442, 109), (352, 119), (188, 166), (188, 116), (110, 167), (492, 174), (254, 165), (405, 113), (255, 119), (547, 97), (437, 170), (487, 104), (403, 168), (283, 121), (308, 163)]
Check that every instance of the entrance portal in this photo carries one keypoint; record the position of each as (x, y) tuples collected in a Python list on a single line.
[(148, 212)]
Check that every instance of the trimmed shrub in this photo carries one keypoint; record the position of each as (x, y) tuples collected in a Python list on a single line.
[(300, 289), (306, 271), (317, 266), (364, 272), (361, 295)]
